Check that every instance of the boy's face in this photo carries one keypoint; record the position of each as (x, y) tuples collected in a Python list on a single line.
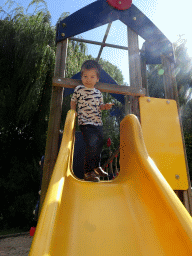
[(89, 78)]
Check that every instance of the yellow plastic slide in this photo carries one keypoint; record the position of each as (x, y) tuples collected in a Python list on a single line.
[(136, 214)]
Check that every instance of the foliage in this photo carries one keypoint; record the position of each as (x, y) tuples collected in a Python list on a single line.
[(111, 123), (63, 16), (183, 71), (26, 77), (26, 69), (112, 70), (184, 83), (76, 55)]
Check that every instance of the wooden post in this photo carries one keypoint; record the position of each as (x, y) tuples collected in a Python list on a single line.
[(127, 105), (54, 120), (144, 71), (169, 79), (111, 163), (134, 69), (170, 86), (111, 158), (116, 170), (144, 75)]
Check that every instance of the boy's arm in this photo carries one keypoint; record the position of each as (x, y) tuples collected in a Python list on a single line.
[(106, 106), (102, 107), (73, 105)]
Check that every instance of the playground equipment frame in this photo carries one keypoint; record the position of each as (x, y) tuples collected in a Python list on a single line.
[(138, 87)]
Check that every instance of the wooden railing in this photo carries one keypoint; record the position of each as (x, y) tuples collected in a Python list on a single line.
[(111, 166)]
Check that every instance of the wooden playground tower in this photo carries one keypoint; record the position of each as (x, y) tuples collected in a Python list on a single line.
[(156, 50)]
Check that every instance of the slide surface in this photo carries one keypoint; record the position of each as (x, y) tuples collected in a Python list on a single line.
[(136, 214)]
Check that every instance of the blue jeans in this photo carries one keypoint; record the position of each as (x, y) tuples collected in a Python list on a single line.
[(93, 137)]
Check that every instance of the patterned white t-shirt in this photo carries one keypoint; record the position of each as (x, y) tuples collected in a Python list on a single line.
[(88, 102)]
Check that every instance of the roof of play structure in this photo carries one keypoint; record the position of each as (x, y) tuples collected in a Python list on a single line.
[(101, 12)]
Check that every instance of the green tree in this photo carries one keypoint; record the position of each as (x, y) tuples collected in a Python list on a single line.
[(63, 16), (184, 83), (26, 69), (112, 70), (183, 71)]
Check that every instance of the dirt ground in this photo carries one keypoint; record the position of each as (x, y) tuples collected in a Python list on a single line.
[(15, 246)]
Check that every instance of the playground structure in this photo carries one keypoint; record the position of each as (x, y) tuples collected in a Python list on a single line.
[(139, 208)]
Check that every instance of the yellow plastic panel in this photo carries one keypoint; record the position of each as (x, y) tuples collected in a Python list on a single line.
[(163, 139), (137, 214)]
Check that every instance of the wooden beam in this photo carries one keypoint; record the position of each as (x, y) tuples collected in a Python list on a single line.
[(134, 69), (104, 40), (127, 105), (167, 78), (111, 157), (144, 75), (98, 43), (134, 60), (186, 200), (51, 150), (103, 87)]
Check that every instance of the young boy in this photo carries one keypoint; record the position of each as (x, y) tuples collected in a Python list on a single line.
[(89, 101)]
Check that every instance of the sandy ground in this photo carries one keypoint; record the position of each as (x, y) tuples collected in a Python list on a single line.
[(15, 246)]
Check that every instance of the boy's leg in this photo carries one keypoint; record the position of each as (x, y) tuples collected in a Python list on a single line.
[(97, 169), (89, 159), (98, 145), (93, 137)]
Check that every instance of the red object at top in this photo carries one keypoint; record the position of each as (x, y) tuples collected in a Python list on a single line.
[(120, 4), (109, 142)]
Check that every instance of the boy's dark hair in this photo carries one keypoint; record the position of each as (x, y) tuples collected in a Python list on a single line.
[(91, 64)]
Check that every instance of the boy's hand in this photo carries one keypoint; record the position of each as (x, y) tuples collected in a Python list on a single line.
[(108, 106)]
